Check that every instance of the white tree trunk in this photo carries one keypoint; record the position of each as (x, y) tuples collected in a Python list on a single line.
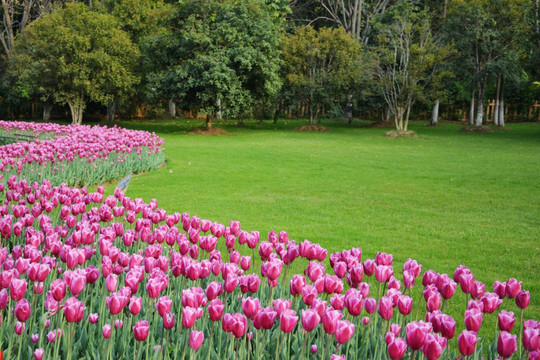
[(111, 110), (435, 113), (47, 109), (219, 114), (501, 107), (497, 100), (172, 108), (471, 110), (480, 104), (76, 112)]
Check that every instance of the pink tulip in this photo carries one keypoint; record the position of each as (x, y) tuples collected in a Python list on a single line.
[(168, 321), (215, 309), (163, 305), (20, 327), (344, 331), (506, 344), (309, 293), (281, 305), (141, 330), (313, 348), (189, 315), (397, 348), (38, 353), (416, 334), (330, 320), (433, 302), (433, 346), (135, 305), (111, 282), (371, 305), (523, 299), (405, 304), (251, 307), (531, 339), (473, 319), (337, 301), (93, 318), (74, 310), (499, 288), (506, 320), (491, 302), (22, 310), (51, 336), (337, 357), (297, 284), (288, 320), (107, 331), (17, 289), (354, 305), (267, 317), (467, 342), (34, 338), (448, 327), (513, 287), (383, 273), (196, 339), (385, 307), (310, 319)]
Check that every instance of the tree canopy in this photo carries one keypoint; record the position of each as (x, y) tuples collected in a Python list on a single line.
[(73, 55)]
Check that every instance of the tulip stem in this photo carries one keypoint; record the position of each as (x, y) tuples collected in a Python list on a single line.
[(520, 334), (20, 345), (70, 340), (413, 354), (306, 336), (138, 352), (280, 344), (185, 345), (210, 341)]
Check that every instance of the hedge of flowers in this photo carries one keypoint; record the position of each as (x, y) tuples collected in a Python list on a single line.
[(78, 154), (86, 275)]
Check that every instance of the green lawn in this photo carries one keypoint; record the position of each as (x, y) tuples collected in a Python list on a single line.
[(445, 198)]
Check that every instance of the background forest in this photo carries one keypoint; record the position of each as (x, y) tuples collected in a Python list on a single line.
[(388, 60)]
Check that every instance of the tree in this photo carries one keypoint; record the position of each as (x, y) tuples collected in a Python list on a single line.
[(322, 66), (221, 56), (487, 34), (410, 59), (74, 54)]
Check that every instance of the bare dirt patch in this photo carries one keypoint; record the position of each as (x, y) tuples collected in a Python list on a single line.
[(208, 131), (399, 133), (383, 124), (478, 129), (314, 128)]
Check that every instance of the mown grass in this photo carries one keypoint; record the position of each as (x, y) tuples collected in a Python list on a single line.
[(445, 198)]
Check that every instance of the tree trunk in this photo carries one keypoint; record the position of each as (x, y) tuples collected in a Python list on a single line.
[(219, 114), (471, 109), (209, 121), (77, 108), (111, 110), (47, 109), (349, 109), (76, 113), (172, 107), (312, 117), (501, 103), (480, 104), (496, 105), (435, 113)]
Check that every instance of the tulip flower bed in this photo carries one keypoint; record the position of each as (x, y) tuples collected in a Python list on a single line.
[(108, 277), (78, 154)]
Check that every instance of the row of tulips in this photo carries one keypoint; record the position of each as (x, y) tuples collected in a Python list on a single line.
[(110, 277), (78, 154)]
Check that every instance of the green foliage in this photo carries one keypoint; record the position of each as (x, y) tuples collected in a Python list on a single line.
[(411, 59), (74, 54), (322, 66), (223, 50)]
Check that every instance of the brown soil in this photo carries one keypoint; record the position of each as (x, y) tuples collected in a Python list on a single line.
[(478, 129), (397, 133), (207, 131), (315, 128), (383, 124)]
